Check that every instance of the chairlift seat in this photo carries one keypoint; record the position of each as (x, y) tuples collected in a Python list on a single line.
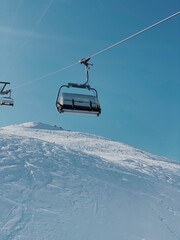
[(6, 101), (78, 103)]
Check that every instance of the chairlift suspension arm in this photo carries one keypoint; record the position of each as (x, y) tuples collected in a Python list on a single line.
[(85, 62), (87, 74), (2, 92)]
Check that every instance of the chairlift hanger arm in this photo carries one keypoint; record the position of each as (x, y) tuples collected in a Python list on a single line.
[(93, 89), (61, 88), (2, 89), (85, 61)]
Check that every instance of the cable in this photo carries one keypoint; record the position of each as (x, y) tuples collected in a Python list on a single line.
[(101, 51), (134, 35), (45, 76)]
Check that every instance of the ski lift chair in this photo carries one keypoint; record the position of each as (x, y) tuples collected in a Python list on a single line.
[(6, 101), (87, 104), (78, 103)]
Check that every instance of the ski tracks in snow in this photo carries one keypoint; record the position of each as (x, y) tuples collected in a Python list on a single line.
[(20, 175), (55, 181)]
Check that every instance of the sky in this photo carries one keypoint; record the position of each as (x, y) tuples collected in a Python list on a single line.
[(138, 82)]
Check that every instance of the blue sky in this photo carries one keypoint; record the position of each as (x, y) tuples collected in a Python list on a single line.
[(138, 81)]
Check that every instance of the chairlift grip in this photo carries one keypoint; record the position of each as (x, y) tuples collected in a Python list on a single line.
[(85, 61)]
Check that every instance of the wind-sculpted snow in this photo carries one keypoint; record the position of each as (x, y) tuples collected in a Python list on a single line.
[(57, 184)]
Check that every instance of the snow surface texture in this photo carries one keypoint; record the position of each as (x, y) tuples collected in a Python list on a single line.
[(57, 184)]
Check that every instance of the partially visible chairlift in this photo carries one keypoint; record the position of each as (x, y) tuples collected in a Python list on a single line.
[(87, 104), (5, 100)]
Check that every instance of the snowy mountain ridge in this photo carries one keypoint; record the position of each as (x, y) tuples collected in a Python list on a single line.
[(35, 125), (58, 184), (88, 143)]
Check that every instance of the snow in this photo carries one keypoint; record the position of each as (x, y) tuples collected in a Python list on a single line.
[(58, 184)]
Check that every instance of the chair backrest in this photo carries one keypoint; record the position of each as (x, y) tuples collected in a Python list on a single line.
[(66, 98)]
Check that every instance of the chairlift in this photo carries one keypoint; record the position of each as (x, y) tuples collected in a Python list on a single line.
[(87, 104), (6, 101)]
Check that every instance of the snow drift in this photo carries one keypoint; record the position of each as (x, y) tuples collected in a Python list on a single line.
[(57, 184)]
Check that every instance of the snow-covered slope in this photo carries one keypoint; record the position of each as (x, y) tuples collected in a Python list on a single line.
[(57, 184)]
